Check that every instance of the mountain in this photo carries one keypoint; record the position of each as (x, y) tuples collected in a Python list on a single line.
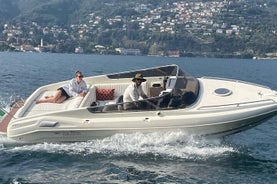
[(61, 12), (65, 12), (191, 27), (8, 10), (43, 11)]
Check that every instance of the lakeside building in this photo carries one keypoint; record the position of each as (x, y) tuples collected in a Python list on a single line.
[(123, 51), (79, 50)]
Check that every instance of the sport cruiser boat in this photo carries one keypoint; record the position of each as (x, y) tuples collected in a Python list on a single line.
[(177, 101)]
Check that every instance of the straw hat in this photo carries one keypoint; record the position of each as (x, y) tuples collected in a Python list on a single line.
[(139, 76)]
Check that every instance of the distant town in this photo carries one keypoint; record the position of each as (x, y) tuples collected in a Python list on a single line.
[(179, 28)]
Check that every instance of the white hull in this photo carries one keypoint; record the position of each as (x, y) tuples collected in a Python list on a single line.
[(241, 107), (88, 129)]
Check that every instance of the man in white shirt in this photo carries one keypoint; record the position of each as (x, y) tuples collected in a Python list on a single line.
[(133, 92)]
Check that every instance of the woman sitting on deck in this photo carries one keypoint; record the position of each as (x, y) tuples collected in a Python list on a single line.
[(76, 87)]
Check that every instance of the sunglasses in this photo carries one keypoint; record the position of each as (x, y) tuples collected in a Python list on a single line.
[(80, 76)]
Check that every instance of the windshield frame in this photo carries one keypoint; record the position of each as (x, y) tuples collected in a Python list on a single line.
[(181, 90)]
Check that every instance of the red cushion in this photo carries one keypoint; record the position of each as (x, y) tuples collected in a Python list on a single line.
[(104, 94)]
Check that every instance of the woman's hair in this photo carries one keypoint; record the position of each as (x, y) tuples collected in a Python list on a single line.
[(78, 72)]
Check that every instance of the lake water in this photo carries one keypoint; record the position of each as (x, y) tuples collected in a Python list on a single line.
[(247, 157)]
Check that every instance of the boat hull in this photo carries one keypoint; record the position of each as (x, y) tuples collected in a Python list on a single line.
[(191, 122)]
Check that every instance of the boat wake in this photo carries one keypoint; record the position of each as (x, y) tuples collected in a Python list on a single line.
[(170, 145)]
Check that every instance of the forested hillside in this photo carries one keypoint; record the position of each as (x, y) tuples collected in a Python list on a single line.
[(213, 28)]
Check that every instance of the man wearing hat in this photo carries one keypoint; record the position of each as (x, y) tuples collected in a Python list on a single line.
[(133, 92)]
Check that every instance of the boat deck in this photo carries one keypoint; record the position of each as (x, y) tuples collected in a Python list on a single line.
[(94, 95)]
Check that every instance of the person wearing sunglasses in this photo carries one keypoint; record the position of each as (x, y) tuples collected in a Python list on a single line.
[(133, 92), (76, 87)]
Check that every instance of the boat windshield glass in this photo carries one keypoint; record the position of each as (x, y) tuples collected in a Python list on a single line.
[(171, 70), (179, 90)]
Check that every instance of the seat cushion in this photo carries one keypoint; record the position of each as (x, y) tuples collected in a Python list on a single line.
[(104, 94)]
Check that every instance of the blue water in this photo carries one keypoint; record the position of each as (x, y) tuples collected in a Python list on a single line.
[(173, 157)]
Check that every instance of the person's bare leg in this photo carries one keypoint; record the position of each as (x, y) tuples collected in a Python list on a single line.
[(48, 96), (61, 99), (51, 99), (46, 100), (57, 96)]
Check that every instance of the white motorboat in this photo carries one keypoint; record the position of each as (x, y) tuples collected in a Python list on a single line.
[(177, 101)]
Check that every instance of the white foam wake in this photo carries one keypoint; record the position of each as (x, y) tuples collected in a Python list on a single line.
[(171, 144)]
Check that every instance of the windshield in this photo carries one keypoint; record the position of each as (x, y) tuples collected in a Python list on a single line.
[(180, 90)]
